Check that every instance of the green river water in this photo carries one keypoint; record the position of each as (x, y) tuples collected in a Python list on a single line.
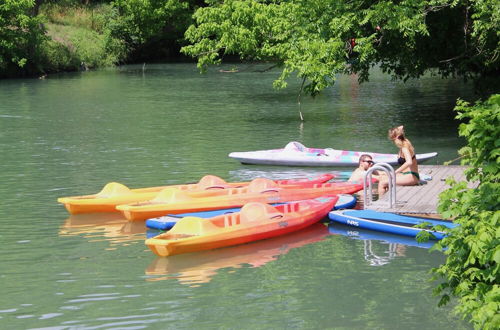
[(70, 134)]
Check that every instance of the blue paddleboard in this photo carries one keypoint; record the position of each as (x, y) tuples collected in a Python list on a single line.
[(387, 222)]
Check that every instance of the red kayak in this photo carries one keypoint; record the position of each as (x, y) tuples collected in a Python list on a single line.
[(174, 201)]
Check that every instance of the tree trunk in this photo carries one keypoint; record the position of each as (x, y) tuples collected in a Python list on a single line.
[(36, 7)]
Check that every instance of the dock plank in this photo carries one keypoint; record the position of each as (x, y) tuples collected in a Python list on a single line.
[(421, 199)]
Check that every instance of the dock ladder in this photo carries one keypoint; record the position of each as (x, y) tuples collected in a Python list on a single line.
[(367, 184)]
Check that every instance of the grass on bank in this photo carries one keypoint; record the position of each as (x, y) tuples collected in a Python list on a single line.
[(88, 17), (78, 38), (82, 45)]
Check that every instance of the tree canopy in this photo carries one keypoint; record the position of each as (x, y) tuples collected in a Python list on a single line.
[(152, 28), (317, 39)]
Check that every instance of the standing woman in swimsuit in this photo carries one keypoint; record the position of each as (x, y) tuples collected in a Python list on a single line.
[(407, 173)]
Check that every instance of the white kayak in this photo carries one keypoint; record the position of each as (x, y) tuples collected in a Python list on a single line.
[(296, 154)]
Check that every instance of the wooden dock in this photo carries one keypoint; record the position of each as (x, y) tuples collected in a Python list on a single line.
[(422, 199)]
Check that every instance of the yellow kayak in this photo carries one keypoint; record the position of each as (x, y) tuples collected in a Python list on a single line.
[(115, 193)]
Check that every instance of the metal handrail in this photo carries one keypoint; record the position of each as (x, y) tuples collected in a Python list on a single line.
[(367, 179)]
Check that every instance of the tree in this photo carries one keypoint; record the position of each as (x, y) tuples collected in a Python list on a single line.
[(471, 270), (317, 39), (21, 35), (148, 26)]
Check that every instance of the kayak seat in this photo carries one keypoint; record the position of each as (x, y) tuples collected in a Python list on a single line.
[(212, 182), (231, 219), (258, 212), (260, 185), (113, 189), (294, 146), (291, 207), (192, 226), (170, 195), (330, 152), (233, 191)]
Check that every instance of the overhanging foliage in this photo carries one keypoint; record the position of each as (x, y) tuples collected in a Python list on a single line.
[(317, 39)]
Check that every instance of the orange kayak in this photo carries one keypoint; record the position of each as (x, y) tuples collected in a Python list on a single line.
[(200, 267), (114, 193), (255, 221), (174, 201)]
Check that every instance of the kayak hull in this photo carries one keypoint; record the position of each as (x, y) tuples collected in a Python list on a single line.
[(195, 234), (96, 204), (295, 154)]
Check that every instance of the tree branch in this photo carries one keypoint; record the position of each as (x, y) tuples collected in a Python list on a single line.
[(452, 59), (267, 69), (435, 8), (299, 96)]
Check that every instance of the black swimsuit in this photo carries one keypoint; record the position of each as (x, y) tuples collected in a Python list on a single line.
[(402, 160)]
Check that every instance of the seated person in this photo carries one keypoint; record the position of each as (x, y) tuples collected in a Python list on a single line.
[(407, 174), (365, 162)]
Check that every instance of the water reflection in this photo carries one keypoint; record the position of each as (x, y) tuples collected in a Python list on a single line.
[(112, 227), (379, 248), (196, 268), (380, 258)]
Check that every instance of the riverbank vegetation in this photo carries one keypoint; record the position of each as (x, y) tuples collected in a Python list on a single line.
[(79, 38), (471, 270), (45, 36), (60, 37)]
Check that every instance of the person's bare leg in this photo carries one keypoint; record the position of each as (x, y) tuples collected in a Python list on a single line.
[(383, 185), (406, 180)]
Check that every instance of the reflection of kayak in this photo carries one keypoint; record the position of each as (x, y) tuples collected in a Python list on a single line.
[(387, 222), (254, 222), (110, 227), (296, 154), (173, 201), (345, 201), (114, 193), (366, 234), (200, 267)]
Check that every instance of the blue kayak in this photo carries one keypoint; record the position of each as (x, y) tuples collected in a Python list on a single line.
[(345, 201), (387, 222)]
